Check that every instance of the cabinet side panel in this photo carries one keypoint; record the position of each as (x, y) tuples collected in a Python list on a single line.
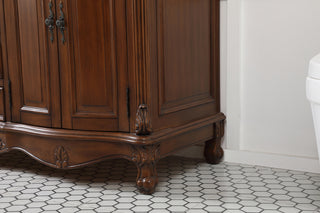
[(183, 53), (184, 50)]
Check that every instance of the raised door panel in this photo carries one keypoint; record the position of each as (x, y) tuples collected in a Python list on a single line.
[(92, 76), (2, 110), (32, 63), (185, 36), (2, 106), (1, 63)]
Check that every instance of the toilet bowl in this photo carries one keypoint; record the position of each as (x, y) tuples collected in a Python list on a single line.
[(313, 94)]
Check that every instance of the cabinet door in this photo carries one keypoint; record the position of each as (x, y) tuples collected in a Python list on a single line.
[(1, 66), (32, 63), (93, 65), (2, 106)]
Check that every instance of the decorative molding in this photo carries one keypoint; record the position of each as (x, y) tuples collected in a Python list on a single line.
[(61, 157), (143, 123), (119, 137), (141, 50)]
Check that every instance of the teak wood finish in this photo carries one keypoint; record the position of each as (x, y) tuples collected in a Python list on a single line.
[(82, 81)]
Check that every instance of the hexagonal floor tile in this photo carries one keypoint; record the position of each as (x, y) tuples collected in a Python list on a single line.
[(187, 185)]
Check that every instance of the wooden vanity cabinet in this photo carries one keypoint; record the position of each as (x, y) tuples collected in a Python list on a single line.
[(83, 81)]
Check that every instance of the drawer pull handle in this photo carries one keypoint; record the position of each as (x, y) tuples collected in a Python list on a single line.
[(61, 23), (50, 21)]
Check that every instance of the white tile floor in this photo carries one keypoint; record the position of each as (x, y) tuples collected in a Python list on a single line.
[(186, 185)]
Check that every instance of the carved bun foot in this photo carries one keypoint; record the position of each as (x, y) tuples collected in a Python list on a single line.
[(213, 152), (147, 179)]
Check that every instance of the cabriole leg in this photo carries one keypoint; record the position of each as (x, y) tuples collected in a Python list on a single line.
[(213, 152), (146, 158)]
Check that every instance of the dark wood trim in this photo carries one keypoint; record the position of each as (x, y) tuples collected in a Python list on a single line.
[(130, 138), (138, 54), (122, 63), (215, 50)]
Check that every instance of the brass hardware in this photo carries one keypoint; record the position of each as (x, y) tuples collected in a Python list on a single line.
[(50, 21), (61, 23)]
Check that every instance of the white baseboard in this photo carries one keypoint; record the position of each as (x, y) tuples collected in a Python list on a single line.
[(273, 160), (260, 159)]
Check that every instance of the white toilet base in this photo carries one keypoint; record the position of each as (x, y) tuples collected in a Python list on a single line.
[(316, 120), (313, 94)]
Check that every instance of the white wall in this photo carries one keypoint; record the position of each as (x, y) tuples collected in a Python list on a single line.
[(265, 49), (271, 118), (278, 39)]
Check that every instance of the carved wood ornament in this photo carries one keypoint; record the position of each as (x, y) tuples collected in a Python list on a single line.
[(3, 144), (145, 154), (61, 157), (143, 124), (146, 157), (219, 129)]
